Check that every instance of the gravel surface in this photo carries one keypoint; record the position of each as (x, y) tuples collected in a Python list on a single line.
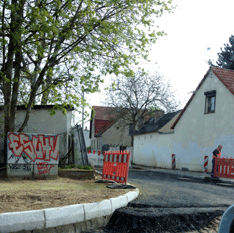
[(201, 221)]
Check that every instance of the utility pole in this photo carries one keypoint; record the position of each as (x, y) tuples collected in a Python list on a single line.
[(83, 91), (82, 109)]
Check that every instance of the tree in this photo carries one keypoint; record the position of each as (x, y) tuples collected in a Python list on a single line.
[(226, 56), (139, 95), (49, 50)]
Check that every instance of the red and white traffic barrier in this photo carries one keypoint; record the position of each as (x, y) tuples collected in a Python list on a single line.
[(205, 163), (96, 157), (116, 166), (173, 161)]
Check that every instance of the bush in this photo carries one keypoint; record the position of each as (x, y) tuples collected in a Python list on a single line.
[(78, 167)]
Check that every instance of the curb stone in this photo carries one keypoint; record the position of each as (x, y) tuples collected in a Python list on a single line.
[(68, 216)]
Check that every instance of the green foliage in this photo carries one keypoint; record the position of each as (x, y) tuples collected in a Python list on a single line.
[(59, 48), (226, 56), (74, 166)]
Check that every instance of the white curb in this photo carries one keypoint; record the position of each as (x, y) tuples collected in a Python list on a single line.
[(53, 217), (64, 215), (132, 195), (26, 220), (97, 209), (118, 202)]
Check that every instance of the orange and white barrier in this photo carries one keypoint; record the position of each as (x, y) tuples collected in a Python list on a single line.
[(224, 167), (96, 158), (173, 161), (205, 163), (116, 166)]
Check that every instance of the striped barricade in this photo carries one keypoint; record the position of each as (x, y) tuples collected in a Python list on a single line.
[(224, 167), (205, 163), (173, 161), (96, 158), (116, 166)]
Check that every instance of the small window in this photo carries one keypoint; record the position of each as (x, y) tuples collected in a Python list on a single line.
[(210, 101)]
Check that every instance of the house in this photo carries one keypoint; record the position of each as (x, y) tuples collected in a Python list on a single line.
[(41, 122), (205, 122), (106, 132), (148, 141)]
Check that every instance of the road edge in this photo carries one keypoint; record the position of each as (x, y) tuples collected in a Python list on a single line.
[(77, 218)]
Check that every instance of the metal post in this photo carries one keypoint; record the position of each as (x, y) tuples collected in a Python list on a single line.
[(83, 109)]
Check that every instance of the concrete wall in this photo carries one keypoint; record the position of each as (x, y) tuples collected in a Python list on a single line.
[(153, 149), (32, 156), (41, 122), (117, 135), (196, 134)]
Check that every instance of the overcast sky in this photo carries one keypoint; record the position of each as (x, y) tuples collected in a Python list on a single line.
[(182, 55)]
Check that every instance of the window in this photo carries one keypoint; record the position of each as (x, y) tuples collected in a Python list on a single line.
[(210, 101)]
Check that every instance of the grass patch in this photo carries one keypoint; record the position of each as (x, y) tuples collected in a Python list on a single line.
[(74, 166), (59, 184)]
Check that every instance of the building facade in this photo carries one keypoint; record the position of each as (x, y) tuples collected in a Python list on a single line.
[(205, 122)]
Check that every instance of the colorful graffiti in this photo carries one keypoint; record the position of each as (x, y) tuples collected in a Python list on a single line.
[(40, 147), (43, 168)]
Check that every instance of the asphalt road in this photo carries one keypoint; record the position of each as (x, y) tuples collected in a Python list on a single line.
[(160, 190), (168, 203)]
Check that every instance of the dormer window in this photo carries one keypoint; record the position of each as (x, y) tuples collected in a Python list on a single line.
[(210, 101)]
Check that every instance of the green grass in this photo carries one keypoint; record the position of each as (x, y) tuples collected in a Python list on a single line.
[(77, 166)]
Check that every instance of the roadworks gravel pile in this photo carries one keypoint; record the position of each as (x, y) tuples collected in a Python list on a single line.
[(171, 220)]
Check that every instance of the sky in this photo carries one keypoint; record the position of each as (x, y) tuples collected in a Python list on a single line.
[(182, 54)]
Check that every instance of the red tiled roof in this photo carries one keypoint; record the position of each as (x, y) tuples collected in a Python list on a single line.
[(102, 125), (224, 75), (104, 117), (104, 113)]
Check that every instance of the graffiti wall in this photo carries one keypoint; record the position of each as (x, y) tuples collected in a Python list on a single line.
[(30, 155)]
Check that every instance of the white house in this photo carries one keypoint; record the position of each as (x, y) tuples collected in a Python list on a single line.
[(205, 122), (153, 142)]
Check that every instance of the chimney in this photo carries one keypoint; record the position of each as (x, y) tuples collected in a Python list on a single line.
[(158, 114)]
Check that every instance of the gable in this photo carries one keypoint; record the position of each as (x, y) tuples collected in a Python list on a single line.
[(226, 78), (103, 118)]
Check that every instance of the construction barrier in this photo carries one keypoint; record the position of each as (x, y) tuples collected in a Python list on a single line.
[(224, 167), (205, 163), (116, 166), (96, 159), (173, 161)]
